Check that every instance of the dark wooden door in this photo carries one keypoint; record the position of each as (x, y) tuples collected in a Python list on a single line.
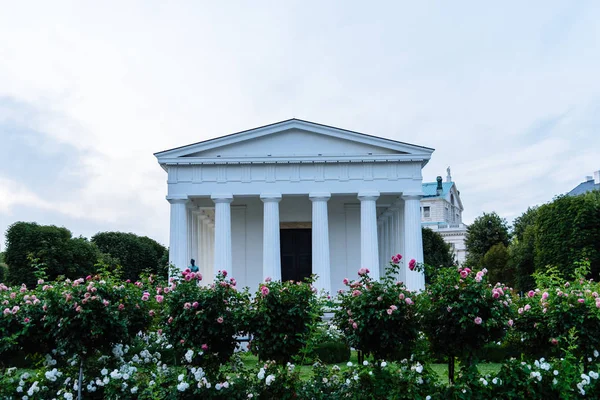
[(296, 254)]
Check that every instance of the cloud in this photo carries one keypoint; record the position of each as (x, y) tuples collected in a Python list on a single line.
[(507, 94)]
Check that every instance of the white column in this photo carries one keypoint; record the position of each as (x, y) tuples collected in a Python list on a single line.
[(195, 236), (271, 236), (380, 243), (413, 242), (320, 241), (178, 232), (190, 245), (369, 252), (222, 231), (211, 251)]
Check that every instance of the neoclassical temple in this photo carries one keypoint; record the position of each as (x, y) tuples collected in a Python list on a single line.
[(295, 198)]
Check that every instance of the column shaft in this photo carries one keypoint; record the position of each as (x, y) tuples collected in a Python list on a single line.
[(369, 251), (320, 241), (413, 241), (178, 233), (222, 256), (271, 236)]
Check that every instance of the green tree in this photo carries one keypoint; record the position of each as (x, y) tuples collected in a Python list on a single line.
[(134, 253), (485, 232), (522, 250), (496, 262), (568, 231), (54, 247), (3, 268), (436, 251)]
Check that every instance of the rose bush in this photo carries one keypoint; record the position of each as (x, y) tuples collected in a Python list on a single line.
[(462, 312), (281, 317), (378, 317), (202, 321)]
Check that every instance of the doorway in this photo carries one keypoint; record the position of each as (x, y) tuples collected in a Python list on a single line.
[(296, 254)]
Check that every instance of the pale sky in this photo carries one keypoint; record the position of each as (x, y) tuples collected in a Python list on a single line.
[(508, 93)]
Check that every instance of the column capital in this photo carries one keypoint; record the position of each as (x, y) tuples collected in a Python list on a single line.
[(270, 197), (412, 196), (319, 196), (368, 195), (222, 197), (177, 199)]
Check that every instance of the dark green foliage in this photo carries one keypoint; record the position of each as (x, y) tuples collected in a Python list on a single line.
[(53, 247), (486, 231), (135, 254), (496, 262), (568, 231), (437, 253), (332, 352)]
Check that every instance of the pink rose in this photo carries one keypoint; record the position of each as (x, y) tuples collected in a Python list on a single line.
[(145, 296), (170, 320), (411, 264), (531, 293), (379, 298), (204, 347), (463, 274), (349, 312), (7, 311), (264, 291), (78, 309), (195, 304), (26, 320), (554, 341), (105, 302), (527, 307), (159, 298), (356, 293), (545, 295), (151, 313), (87, 278), (581, 300), (510, 323), (188, 277), (401, 296), (396, 259), (121, 306), (478, 320), (224, 273), (363, 271), (393, 307), (166, 290), (389, 311), (345, 281), (268, 279), (220, 320), (409, 301), (40, 281), (354, 325), (187, 306), (495, 294)]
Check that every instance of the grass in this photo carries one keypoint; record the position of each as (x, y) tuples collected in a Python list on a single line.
[(440, 369)]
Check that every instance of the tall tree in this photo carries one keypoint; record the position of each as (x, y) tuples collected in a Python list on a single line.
[(496, 262), (51, 246), (522, 250), (485, 232), (134, 253), (436, 252), (567, 231)]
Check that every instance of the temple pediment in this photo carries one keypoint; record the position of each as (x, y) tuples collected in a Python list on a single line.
[(293, 140)]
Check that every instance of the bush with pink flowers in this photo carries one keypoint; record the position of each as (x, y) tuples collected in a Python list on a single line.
[(202, 320), (281, 317), (546, 317), (379, 317), (462, 312)]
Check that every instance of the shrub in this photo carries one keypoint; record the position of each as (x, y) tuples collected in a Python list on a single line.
[(462, 313), (203, 320), (281, 319), (378, 317)]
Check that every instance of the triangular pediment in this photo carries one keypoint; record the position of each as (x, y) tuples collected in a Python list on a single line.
[(293, 139)]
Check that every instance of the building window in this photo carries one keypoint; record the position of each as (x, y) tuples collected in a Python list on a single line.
[(452, 199), (426, 212)]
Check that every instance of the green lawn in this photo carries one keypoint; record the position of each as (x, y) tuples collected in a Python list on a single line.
[(441, 369)]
